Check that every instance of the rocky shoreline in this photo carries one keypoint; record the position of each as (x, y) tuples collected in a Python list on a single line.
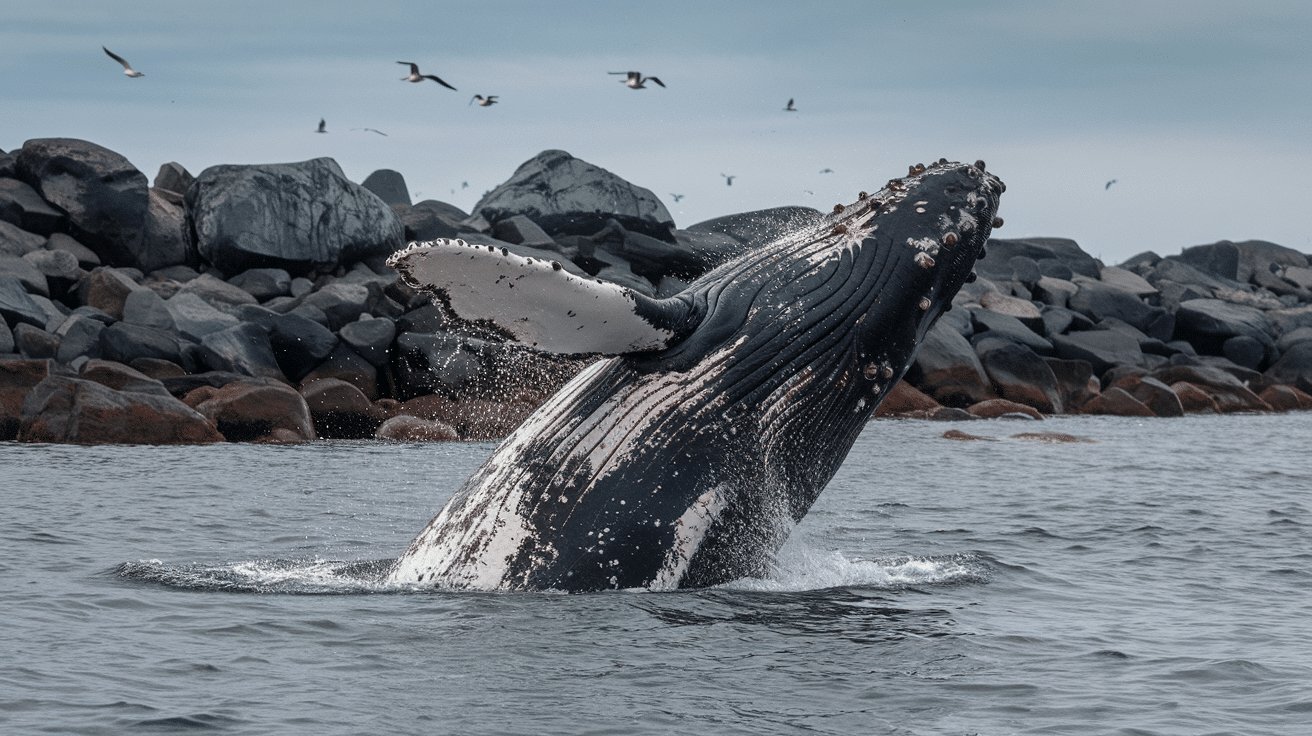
[(253, 304)]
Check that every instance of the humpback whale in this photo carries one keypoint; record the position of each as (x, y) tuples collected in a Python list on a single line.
[(684, 456)]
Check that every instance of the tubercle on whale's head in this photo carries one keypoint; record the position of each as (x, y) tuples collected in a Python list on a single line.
[(936, 222)]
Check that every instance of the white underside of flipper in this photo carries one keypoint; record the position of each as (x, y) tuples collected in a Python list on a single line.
[(537, 302)]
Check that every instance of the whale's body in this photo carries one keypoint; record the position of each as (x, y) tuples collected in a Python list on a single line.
[(685, 459)]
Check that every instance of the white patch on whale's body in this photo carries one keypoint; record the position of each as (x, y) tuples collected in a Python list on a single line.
[(539, 303)]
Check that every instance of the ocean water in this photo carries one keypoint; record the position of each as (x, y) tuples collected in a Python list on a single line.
[(1155, 581)]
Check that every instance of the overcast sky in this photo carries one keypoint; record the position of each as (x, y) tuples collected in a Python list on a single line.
[(1200, 111)]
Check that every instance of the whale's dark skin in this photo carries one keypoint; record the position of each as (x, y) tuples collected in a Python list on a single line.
[(685, 460)]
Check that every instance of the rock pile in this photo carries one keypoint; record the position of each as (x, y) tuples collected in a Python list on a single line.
[(252, 303)]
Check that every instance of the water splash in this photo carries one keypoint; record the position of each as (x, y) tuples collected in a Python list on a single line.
[(303, 576), (800, 568)]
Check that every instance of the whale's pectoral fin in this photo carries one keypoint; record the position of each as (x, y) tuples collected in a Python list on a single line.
[(539, 303)]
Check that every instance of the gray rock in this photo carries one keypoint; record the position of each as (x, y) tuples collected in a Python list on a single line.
[(1067, 252), (1298, 276), (7, 345), (759, 227), (948, 370), (1059, 321), (55, 312), (345, 364), (218, 293), (195, 318), (1174, 269), (1218, 259), (106, 289), (1245, 351), (17, 306), (290, 216), (26, 272), (17, 242), (389, 185), (1257, 256), (1208, 323), (300, 287), (300, 344), (125, 343), (244, 349), (370, 338), (1141, 263), (263, 283), (180, 274), (1293, 337), (1294, 367), (1098, 300), (174, 177), (992, 324), (1054, 292), (431, 219), (86, 258), (1103, 349), (1129, 281), (34, 343), (1173, 294), (566, 195), (102, 193), (20, 205), (55, 264), (1021, 309), (7, 165), (79, 335), (341, 302), (165, 241), (1019, 374), (1288, 320), (520, 230), (144, 307)]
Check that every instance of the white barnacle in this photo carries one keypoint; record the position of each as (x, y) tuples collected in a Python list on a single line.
[(924, 304), (924, 260)]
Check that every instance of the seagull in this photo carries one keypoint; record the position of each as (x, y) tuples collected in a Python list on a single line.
[(790, 107), (677, 197), (127, 70), (415, 76), (491, 100), (379, 132), (728, 180), (826, 171), (464, 185), (323, 126), (636, 80), (1109, 185)]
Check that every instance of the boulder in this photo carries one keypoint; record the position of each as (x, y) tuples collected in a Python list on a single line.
[(1152, 393), (241, 349), (65, 409), (990, 324), (55, 265), (173, 177), (299, 344), (34, 343), (340, 410), (342, 303), (749, 229), (431, 219), (566, 195), (389, 186), (195, 318), (103, 195), (1229, 393), (1075, 381), (947, 369), (1177, 270), (648, 257), (1098, 300), (1116, 402), (1257, 258), (6, 339), (125, 342), (21, 206), (1059, 321), (346, 364), (79, 335), (17, 378), (218, 293), (1288, 320), (904, 398), (994, 408), (1294, 367), (371, 338), (1218, 259), (1020, 375), (1065, 252), (1101, 348), (1194, 400), (290, 216), (258, 412), (1128, 281), (1292, 338), (1208, 323), (1286, 398), (165, 241), (405, 428), (1054, 292), (107, 289), (31, 277), (15, 241)]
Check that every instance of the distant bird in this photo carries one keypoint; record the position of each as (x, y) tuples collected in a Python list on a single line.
[(808, 191), (379, 132), (635, 80), (728, 180), (464, 185), (790, 107), (677, 197), (491, 100), (127, 69), (1109, 185), (415, 76), (323, 126), (826, 171)]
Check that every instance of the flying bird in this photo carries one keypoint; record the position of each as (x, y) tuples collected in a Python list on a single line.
[(464, 185), (635, 80), (379, 132), (728, 180), (491, 100), (677, 197), (415, 76), (127, 69), (790, 107), (1109, 185), (826, 171)]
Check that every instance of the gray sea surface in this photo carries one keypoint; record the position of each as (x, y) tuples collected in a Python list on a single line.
[(1155, 581)]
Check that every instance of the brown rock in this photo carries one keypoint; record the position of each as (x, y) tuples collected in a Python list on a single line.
[(17, 378), (994, 408), (340, 410), (1282, 398), (119, 377), (956, 434), (345, 364), (157, 368), (903, 398), (1153, 394), (405, 428), (107, 289), (1116, 402), (77, 411), (1050, 438), (253, 412), (1194, 400), (1075, 381), (1229, 393)]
